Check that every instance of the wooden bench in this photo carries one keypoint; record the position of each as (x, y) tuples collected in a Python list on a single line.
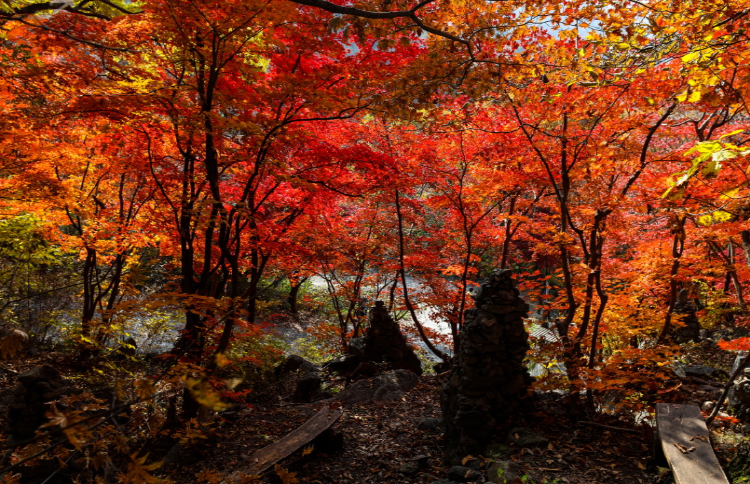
[(287, 445), (684, 440)]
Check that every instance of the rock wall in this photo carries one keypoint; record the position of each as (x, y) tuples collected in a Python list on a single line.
[(488, 378)]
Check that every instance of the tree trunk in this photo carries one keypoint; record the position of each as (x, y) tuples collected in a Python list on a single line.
[(294, 286), (678, 245), (407, 301)]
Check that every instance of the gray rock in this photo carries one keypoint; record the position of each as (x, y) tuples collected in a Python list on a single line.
[(356, 347), (504, 471), (382, 388), (39, 374), (430, 423), (488, 379), (707, 406), (422, 461), (409, 469), (296, 363), (741, 394), (384, 342), (474, 464), (732, 398), (702, 371), (524, 437), (713, 392), (127, 349), (307, 387), (679, 369), (463, 474), (498, 451)]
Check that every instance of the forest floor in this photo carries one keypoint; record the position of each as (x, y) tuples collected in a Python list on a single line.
[(384, 442), (381, 440)]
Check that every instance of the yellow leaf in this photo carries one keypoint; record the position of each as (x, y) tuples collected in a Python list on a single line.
[(690, 57), (222, 360), (202, 392), (139, 472), (144, 389), (285, 476)]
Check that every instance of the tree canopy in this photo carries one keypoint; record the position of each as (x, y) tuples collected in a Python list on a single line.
[(188, 155)]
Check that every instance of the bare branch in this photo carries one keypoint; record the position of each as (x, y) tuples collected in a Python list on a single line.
[(369, 14), (41, 7)]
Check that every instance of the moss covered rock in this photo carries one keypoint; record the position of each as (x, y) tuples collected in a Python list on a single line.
[(738, 470)]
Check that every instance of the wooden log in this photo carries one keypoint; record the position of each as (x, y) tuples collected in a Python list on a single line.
[(685, 442), (263, 459)]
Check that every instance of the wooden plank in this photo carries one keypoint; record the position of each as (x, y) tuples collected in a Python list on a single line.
[(683, 425), (287, 445)]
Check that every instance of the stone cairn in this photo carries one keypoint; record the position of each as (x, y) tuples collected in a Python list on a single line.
[(488, 378), (385, 343), (687, 309), (383, 347)]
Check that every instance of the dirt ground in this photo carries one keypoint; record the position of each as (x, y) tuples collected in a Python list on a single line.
[(389, 443), (381, 440)]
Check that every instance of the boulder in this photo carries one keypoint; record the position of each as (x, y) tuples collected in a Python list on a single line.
[(463, 474), (31, 399), (504, 472), (294, 363), (127, 349), (307, 387), (343, 365), (523, 437), (385, 387), (703, 371), (409, 469), (430, 424)]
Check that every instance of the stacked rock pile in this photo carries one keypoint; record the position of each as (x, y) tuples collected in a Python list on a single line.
[(385, 343), (488, 378)]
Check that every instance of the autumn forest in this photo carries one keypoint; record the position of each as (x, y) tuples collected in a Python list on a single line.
[(219, 175)]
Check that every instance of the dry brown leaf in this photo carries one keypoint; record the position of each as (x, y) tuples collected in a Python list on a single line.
[(684, 449)]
